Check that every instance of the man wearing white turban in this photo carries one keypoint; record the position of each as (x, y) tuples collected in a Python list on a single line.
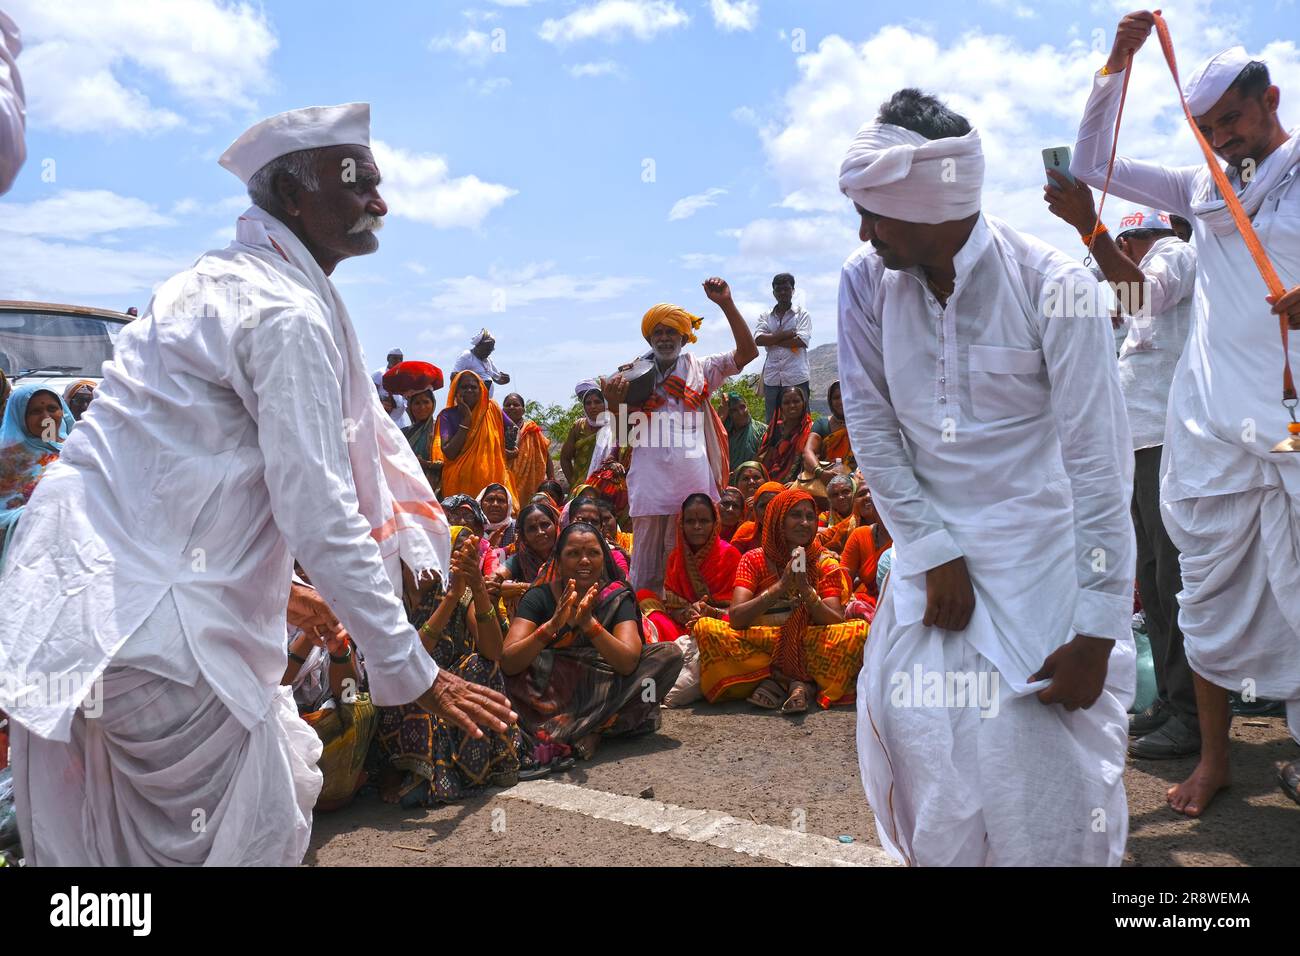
[(235, 430), (1231, 507), (13, 109), (984, 407), (477, 358)]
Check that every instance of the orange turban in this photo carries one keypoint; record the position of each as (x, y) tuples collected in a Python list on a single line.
[(673, 316)]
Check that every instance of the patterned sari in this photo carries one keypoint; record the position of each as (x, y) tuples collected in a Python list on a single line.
[(734, 662), (23, 458), (708, 574), (440, 762), (782, 456)]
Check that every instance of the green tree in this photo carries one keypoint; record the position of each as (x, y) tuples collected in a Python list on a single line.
[(750, 388)]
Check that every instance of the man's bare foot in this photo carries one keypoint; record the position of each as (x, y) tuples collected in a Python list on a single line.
[(586, 747), (1192, 797), (390, 785)]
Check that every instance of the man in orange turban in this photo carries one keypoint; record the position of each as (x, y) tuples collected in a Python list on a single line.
[(679, 446)]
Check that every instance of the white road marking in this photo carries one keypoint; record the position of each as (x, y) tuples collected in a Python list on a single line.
[(700, 826)]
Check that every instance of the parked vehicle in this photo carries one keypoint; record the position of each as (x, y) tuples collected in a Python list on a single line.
[(56, 345)]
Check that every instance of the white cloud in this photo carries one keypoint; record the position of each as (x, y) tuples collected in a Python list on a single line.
[(696, 261), (509, 291), (688, 206), (599, 68), (473, 45), (1020, 98), (230, 206), (84, 58), (732, 15), (773, 241), (77, 214), (32, 268), (613, 19), (487, 86), (419, 186)]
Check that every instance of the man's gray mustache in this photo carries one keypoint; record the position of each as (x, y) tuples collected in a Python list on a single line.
[(367, 223)]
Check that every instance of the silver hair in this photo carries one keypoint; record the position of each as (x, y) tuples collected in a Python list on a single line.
[(301, 165), (839, 480)]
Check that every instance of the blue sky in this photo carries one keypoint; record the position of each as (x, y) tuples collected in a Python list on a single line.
[(554, 167)]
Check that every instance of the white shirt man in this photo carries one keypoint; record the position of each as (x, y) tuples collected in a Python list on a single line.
[(1231, 507), (235, 427), (483, 366), (990, 429), (13, 110), (398, 414), (790, 325)]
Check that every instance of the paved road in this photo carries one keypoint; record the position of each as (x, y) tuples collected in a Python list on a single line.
[(731, 786)]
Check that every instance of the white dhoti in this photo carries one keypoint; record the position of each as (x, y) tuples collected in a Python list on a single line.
[(167, 776), (653, 539), (999, 779), (1240, 604)]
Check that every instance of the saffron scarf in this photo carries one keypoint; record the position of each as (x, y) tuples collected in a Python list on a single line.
[(482, 459), (529, 466), (750, 533), (708, 574)]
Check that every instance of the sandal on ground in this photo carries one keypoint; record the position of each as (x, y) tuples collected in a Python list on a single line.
[(1288, 775), (769, 695), (797, 702), (535, 771)]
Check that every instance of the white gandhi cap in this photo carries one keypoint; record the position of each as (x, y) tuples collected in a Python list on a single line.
[(309, 128), (1212, 79)]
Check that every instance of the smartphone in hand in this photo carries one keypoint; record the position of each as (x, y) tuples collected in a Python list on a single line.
[(1058, 158)]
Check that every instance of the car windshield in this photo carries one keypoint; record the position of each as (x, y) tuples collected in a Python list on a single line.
[(76, 344)]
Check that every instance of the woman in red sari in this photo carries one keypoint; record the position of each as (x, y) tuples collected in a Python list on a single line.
[(781, 450), (750, 534), (700, 576)]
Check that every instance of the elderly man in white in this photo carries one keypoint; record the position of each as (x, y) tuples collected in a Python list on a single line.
[(477, 358), (236, 427), (983, 403), (1229, 504)]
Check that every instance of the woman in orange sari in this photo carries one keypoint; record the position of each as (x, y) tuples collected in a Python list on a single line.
[(750, 533), (700, 576), (471, 439), (828, 439), (747, 477), (782, 449), (528, 450), (787, 639)]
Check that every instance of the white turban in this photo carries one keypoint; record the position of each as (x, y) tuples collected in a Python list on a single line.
[(1142, 217), (1212, 79), (899, 174), (482, 334), (308, 128)]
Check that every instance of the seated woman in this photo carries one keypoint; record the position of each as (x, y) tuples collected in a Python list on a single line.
[(464, 511), (861, 558), (425, 759), (587, 508), (841, 517), (700, 576), (554, 490), (828, 440), (528, 450), (471, 439), (750, 533), (32, 432), (781, 450), (731, 512), (329, 689), (499, 511), (615, 535), (78, 396), (748, 476), (575, 455), (422, 435), (787, 638), (576, 664), (536, 530)]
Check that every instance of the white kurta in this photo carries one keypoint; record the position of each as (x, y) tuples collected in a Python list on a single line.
[(1230, 505), (993, 429), (13, 108), (1154, 341), (484, 368)]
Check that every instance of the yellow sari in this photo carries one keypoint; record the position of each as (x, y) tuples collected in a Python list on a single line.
[(482, 459), (529, 467)]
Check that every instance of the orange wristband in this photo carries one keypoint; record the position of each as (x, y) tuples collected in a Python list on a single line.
[(1089, 237)]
